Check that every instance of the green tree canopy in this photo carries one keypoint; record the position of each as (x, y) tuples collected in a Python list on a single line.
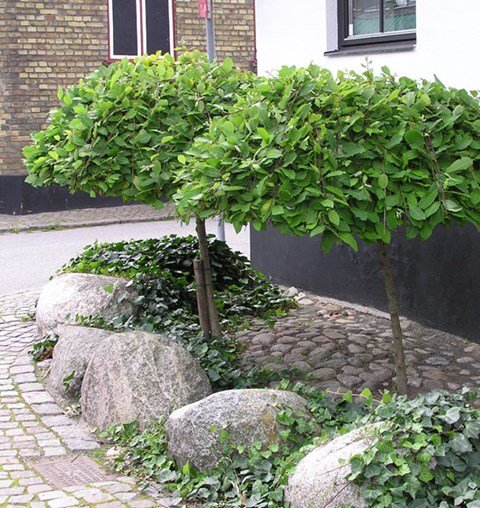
[(123, 130), (351, 156)]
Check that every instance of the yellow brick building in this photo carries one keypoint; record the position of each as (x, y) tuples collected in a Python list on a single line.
[(47, 43)]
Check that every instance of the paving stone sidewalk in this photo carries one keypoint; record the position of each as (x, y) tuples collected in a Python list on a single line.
[(335, 346), (81, 218), (42, 451)]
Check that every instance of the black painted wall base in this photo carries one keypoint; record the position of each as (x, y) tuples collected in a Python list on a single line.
[(438, 280), (18, 198)]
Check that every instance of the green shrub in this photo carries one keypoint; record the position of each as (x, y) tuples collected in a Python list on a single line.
[(122, 131)]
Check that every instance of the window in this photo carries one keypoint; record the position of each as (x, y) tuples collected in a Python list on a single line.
[(137, 27), (367, 22)]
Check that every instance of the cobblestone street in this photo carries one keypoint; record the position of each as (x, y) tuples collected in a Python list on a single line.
[(35, 434), (340, 347)]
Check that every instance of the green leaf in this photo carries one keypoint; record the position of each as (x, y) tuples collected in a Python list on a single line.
[(425, 475), (143, 137), (452, 206), (415, 139), (452, 415), (460, 165), (264, 135), (383, 181), (416, 213), (333, 217), (475, 196), (349, 239), (461, 444)]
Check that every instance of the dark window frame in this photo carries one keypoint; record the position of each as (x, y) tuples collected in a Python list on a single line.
[(369, 41), (141, 34)]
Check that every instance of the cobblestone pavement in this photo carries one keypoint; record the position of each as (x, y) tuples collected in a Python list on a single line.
[(339, 348), (84, 217), (34, 431), (333, 345)]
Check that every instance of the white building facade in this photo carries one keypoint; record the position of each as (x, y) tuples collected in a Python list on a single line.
[(418, 39), (438, 280)]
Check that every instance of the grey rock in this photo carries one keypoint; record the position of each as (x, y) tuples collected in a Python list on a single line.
[(319, 478), (355, 348), (139, 376), (75, 348), (332, 308), (437, 360), (305, 301), (291, 291), (264, 339), (324, 374), (465, 359), (332, 334), (349, 381), (246, 415), (432, 384), (80, 294), (302, 366)]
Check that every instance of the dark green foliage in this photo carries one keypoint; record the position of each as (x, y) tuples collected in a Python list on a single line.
[(162, 272), (254, 477), (346, 157), (427, 455)]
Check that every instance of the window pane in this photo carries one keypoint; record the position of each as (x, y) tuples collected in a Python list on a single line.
[(364, 17), (124, 28), (157, 25), (400, 15)]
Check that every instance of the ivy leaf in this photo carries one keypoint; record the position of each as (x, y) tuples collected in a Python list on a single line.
[(452, 415), (461, 444)]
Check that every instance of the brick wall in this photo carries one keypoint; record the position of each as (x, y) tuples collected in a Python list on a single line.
[(47, 43)]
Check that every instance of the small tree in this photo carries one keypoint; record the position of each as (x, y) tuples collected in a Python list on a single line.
[(346, 157), (123, 132)]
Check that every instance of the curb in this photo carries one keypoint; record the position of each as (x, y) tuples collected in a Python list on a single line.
[(77, 225)]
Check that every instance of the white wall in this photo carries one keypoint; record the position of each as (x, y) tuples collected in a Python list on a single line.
[(448, 40)]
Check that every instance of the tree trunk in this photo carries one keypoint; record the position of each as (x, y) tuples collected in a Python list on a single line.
[(202, 300), (205, 257), (400, 367)]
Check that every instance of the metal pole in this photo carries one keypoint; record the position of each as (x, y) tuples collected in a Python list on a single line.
[(211, 53)]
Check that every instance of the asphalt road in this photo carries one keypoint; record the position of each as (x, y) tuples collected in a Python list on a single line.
[(27, 260)]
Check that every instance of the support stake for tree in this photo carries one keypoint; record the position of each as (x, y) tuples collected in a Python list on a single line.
[(205, 257), (202, 301), (399, 353)]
